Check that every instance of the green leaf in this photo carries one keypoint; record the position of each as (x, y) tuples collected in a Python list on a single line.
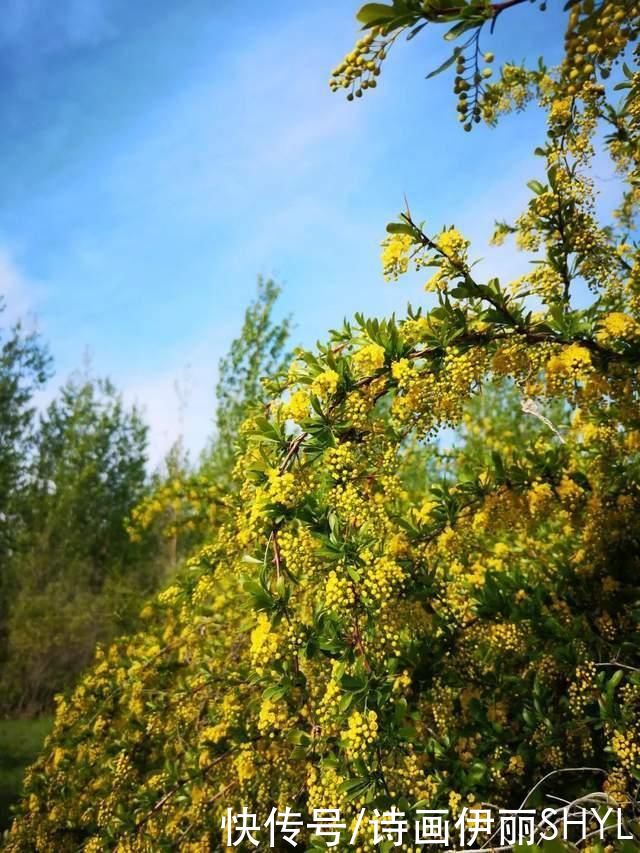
[(276, 691), (536, 187), (261, 597), (498, 463), (351, 785), (353, 574), (414, 32), (400, 228), (460, 28), (372, 13), (614, 681), (345, 702), (446, 64), (299, 737), (348, 682), (407, 733)]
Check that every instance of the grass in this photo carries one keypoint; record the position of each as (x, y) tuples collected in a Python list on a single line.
[(20, 742)]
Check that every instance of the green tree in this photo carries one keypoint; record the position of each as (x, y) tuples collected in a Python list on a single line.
[(89, 471), (259, 353), (80, 575), (24, 368)]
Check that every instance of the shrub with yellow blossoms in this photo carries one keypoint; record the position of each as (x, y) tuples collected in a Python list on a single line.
[(374, 624)]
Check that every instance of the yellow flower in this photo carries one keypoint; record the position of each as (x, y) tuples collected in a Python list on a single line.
[(561, 110), (569, 491), (58, 756), (325, 384), (572, 363), (395, 255), (361, 733), (576, 358), (452, 243), (401, 370), (438, 281), (618, 325), (423, 514), (368, 359), (297, 406)]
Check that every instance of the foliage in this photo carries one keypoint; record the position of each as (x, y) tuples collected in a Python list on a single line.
[(24, 367), (79, 575), (256, 356), (89, 471), (350, 638), (597, 34)]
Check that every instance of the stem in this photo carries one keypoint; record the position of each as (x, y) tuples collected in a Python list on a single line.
[(428, 243)]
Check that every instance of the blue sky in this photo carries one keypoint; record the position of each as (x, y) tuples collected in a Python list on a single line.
[(156, 156)]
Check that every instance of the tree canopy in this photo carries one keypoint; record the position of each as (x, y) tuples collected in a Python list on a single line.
[(24, 368)]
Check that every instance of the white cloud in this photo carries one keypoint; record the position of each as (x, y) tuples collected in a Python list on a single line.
[(176, 400), (18, 292), (257, 137)]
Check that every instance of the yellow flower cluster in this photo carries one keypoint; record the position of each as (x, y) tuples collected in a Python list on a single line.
[(581, 689), (396, 253), (325, 384), (402, 371), (368, 359), (361, 734), (264, 642), (328, 715), (569, 492), (356, 408), (204, 589), (410, 772), (283, 488), (383, 578), (273, 717), (340, 462), (616, 786), (626, 746), (178, 506), (298, 548), (323, 787), (451, 260), (416, 329), (297, 406), (515, 88), (245, 765), (572, 364), (546, 282), (618, 326), (354, 506), (507, 636), (453, 244), (339, 594)]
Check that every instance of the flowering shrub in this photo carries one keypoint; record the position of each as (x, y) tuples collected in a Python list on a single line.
[(365, 630)]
